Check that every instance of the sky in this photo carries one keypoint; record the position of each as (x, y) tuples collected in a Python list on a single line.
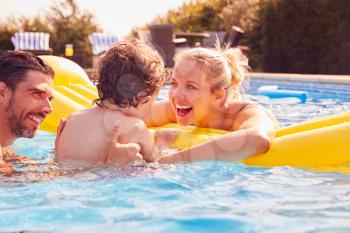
[(115, 16)]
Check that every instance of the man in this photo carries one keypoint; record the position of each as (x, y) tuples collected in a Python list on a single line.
[(25, 96)]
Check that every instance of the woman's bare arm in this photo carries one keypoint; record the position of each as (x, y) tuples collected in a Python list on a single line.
[(257, 117), (160, 114), (253, 132)]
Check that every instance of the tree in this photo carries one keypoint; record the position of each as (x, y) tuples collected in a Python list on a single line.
[(241, 13), (306, 36), (70, 25), (196, 16), (65, 22)]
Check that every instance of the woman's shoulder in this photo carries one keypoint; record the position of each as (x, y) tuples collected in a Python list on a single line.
[(252, 112), (241, 106), (238, 107)]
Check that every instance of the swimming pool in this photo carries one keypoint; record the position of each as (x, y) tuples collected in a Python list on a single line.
[(198, 197)]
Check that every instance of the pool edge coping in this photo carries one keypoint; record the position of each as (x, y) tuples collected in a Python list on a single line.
[(333, 79)]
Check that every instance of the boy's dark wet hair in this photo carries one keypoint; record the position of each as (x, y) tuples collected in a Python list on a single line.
[(15, 64), (127, 72)]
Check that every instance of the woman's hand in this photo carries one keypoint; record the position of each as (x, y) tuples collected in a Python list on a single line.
[(164, 138), (165, 159)]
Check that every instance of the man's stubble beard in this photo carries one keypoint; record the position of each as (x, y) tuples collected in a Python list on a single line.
[(15, 124)]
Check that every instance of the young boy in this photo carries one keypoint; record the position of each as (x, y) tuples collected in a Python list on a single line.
[(129, 77)]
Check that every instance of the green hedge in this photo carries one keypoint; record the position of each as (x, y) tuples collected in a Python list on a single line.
[(304, 36)]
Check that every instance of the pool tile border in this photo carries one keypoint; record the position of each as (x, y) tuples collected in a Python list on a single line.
[(331, 79), (318, 86)]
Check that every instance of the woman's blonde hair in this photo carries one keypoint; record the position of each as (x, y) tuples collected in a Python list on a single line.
[(224, 67)]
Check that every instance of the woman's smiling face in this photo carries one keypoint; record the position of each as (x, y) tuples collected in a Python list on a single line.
[(190, 93)]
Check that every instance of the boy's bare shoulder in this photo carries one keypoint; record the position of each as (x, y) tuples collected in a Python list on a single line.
[(81, 114), (133, 127), (136, 123)]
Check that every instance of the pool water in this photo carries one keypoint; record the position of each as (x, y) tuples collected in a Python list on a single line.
[(198, 197)]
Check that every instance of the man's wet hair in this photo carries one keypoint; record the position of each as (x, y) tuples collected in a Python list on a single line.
[(127, 72), (15, 64)]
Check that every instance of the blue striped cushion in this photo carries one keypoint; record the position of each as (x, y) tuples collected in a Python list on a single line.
[(101, 42), (31, 40)]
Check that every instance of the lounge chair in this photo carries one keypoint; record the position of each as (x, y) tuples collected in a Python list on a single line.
[(213, 36), (144, 36), (164, 41), (34, 42), (100, 42), (235, 36)]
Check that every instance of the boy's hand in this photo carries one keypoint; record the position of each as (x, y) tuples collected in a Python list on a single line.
[(121, 153)]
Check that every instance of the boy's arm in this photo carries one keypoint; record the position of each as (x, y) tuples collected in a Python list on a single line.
[(59, 131)]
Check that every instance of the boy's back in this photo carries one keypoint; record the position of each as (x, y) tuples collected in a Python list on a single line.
[(89, 129), (128, 78)]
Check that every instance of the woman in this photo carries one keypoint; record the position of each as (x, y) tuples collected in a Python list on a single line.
[(204, 92)]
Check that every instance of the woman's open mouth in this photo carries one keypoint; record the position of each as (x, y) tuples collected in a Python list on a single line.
[(183, 110)]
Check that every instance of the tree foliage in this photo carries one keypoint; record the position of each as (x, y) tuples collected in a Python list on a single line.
[(196, 16), (299, 36), (214, 15), (70, 25), (306, 36), (66, 23), (241, 13)]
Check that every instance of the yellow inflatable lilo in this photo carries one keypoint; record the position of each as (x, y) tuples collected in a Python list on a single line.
[(321, 144)]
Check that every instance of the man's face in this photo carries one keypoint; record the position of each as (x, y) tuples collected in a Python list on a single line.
[(29, 104)]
